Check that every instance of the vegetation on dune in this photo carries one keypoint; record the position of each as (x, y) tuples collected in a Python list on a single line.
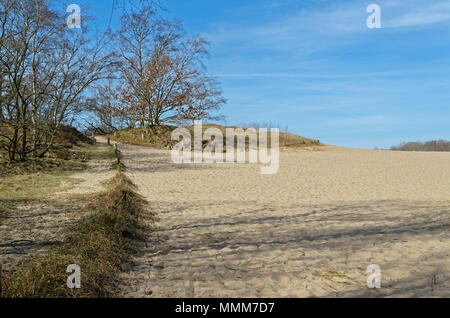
[(40, 178), (99, 244), (100, 152), (161, 137), (69, 146), (439, 146), (152, 75), (45, 72), (36, 178), (157, 137), (34, 186), (67, 153), (37, 165)]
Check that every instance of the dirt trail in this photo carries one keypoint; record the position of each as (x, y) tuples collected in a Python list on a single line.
[(97, 171), (310, 230), (33, 227)]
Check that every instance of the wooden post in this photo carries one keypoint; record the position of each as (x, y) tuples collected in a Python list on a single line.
[(117, 153), (143, 137), (109, 141)]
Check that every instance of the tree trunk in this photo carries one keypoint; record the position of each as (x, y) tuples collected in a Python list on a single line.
[(13, 147), (23, 152), (34, 133)]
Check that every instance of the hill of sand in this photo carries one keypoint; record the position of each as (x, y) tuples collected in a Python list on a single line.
[(161, 137), (310, 230)]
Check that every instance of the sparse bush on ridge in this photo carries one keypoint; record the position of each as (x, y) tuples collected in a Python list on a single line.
[(66, 155), (160, 137), (435, 145)]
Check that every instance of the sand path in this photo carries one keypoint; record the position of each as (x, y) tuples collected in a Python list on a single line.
[(97, 172), (309, 231)]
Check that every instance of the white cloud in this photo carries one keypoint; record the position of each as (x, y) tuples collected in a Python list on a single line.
[(416, 13), (418, 19), (315, 75), (330, 20)]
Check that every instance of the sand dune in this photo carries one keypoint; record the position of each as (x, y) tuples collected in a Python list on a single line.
[(309, 231)]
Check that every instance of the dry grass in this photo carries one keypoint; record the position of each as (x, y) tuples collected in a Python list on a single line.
[(66, 138), (99, 245), (41, 178), (157, 137), (160, 137), (5, 208), (34, 186), (98, 153), (37, 165)]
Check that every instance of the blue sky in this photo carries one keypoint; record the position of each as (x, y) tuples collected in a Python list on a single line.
[(315, 67)]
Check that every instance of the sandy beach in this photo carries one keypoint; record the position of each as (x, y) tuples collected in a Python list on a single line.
[(311, 230)]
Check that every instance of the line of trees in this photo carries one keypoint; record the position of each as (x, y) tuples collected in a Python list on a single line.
[(146, 73), (435, 145)]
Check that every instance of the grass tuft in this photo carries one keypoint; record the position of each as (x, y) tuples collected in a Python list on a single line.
[(37, 165), (5, 208)]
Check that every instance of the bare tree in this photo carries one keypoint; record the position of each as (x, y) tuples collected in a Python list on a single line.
[(46, 70), (18, 31), (162, 72), (132, 44), (203, 100), (79, 66), (104, 106), (171, 71)]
